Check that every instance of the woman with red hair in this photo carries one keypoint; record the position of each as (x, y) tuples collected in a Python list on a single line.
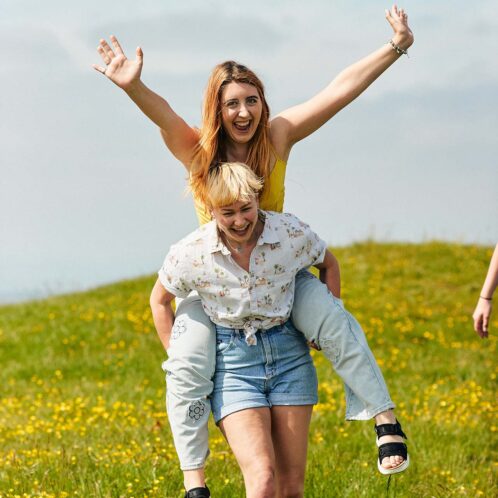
[(236, 126)]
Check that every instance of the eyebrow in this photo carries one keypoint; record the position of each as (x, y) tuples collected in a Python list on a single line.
[(235, 99), (230, 210)]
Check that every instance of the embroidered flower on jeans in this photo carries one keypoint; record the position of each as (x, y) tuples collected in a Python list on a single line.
[(331, 350), (196, 410), (178, 328)]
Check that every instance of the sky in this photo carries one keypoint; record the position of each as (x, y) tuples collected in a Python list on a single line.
[(89, 194)]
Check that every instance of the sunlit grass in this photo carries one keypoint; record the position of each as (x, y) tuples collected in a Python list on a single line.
[(82, 397)]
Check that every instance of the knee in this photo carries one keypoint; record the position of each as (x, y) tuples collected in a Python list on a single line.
[(291, 486), (260, 482)]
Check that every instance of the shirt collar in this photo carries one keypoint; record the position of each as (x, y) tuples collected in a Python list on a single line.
[(268, 236), (214, 242)]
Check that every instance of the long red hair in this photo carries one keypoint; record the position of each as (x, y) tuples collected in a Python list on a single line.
[(211, 147)]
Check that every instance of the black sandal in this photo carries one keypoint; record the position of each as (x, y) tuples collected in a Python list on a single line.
[(198, 493), (391, 449)]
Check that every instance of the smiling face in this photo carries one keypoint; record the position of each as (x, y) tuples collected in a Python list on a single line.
[(237, 221), (241, 109)]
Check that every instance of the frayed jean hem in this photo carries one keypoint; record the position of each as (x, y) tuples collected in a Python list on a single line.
[(370, 414), (197, 464)]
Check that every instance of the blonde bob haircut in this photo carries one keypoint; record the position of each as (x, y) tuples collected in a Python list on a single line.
[(228, 183)]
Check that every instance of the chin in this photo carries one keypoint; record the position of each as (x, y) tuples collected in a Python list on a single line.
[(243, 138)]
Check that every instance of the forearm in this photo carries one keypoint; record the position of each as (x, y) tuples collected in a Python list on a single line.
[(163, 320), (153, 106), (302, 120), (330, 275), (356, 78), (491, 281)]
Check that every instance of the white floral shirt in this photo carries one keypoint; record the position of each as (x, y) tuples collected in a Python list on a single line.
[(231, 296)]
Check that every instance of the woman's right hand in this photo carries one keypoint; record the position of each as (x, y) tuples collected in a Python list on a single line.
[(122, 71)]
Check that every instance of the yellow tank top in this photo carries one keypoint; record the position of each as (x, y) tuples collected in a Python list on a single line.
[(271, 200)]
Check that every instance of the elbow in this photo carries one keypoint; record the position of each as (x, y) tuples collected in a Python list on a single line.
[(157, 296), (337, 266), (154, 305)]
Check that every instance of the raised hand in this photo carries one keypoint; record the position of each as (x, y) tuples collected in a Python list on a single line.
[(119, 69), (398, 19)]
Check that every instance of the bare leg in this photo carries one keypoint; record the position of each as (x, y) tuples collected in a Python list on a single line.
[(194, 479), (249, 435), (290, 425)]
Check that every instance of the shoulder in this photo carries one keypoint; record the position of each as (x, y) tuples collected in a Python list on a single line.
[(287, 222), (286, 226), (194, 243), (279, 137)]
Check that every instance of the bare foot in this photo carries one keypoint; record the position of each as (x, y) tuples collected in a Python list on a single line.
[(394, 461)]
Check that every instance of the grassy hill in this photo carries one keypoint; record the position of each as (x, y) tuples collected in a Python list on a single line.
[(82, 390)]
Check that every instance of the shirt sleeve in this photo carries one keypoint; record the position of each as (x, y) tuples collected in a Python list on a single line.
[(311, 248), (172, 274)]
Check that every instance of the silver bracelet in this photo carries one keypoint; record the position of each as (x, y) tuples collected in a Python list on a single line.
[(397, 49)]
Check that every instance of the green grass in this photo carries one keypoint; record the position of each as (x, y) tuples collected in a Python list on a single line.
[(82, 397)]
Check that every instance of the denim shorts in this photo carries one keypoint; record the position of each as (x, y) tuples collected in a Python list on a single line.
[(278, 370)]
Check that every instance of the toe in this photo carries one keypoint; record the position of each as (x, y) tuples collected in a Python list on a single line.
[(392, 461)]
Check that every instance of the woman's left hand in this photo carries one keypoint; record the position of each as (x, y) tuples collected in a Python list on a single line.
[(481, 317), (398, 19)]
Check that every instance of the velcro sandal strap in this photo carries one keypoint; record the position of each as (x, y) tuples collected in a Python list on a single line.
[(389, 430), (392, 449)]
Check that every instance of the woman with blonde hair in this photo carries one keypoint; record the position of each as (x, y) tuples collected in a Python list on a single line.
[(236, 126), (265, 384)]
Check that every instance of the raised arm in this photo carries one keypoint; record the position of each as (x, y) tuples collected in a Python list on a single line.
[(162, 313), (179, 137), (298, 122)]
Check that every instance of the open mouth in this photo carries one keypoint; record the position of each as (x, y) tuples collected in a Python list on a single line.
[(240, 232), (242, 126)]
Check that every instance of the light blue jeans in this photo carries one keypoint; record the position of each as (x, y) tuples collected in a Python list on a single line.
[(320, 316), (323, 320)]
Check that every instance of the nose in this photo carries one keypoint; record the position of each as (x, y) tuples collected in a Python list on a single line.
[(239, 220), (243, 112)]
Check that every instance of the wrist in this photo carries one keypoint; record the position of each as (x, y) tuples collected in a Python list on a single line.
[(485, 298), (134, 87), (403, 40)]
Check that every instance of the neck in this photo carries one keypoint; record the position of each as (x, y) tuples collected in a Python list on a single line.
[(237, 152)]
